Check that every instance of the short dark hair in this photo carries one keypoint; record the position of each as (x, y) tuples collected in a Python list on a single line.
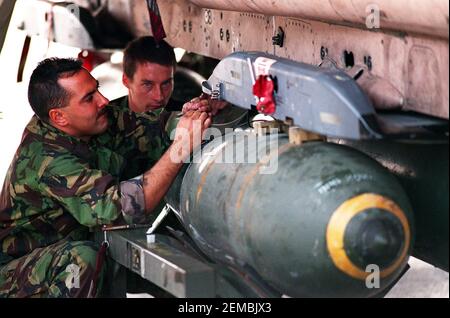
[(44, 91), (146, 49)]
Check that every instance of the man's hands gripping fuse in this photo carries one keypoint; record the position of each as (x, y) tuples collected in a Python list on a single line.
[(188, 135), (204, 103)]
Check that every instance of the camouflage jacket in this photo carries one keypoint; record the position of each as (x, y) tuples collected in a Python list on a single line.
[(140, 139), (166, 117), (57, 185)]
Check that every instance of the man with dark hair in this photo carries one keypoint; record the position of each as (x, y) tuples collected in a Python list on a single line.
[(44, 91), (69, 174), (145, 49), (148, 73)]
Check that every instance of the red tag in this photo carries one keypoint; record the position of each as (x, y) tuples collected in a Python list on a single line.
[(264, 90), (90, 59)]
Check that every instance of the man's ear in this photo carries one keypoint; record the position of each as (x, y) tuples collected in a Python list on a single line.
[(125, 81), (57, 117)]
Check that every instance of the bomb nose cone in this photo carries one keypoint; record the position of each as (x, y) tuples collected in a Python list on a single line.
[(368, 230), (374, 236)]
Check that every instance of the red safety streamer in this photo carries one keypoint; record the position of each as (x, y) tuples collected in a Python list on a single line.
[(264, 91), (155, 20), (101, 255)]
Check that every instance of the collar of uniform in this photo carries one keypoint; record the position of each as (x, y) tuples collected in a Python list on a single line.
[(123, 103), (152, 115)]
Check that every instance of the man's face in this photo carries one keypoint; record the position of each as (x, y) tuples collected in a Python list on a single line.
[(150, 88), (85, 113)]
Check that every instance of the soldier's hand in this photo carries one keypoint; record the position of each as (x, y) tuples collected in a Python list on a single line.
[(189, 133), (216, 105), (198, 104), (204, 103)]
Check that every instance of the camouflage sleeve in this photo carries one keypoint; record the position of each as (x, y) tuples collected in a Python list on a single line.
[(132, 200), (92, 196)]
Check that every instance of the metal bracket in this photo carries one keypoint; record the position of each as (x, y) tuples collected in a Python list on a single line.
[(215, 94), (278, 39), (162, 215), (298, 136), (262, 128)]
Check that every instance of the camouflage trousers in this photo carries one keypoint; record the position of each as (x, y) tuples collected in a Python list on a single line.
[(64, 269)]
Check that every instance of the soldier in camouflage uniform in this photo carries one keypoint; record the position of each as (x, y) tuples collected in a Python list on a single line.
[(70, 173), (148, 73)]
